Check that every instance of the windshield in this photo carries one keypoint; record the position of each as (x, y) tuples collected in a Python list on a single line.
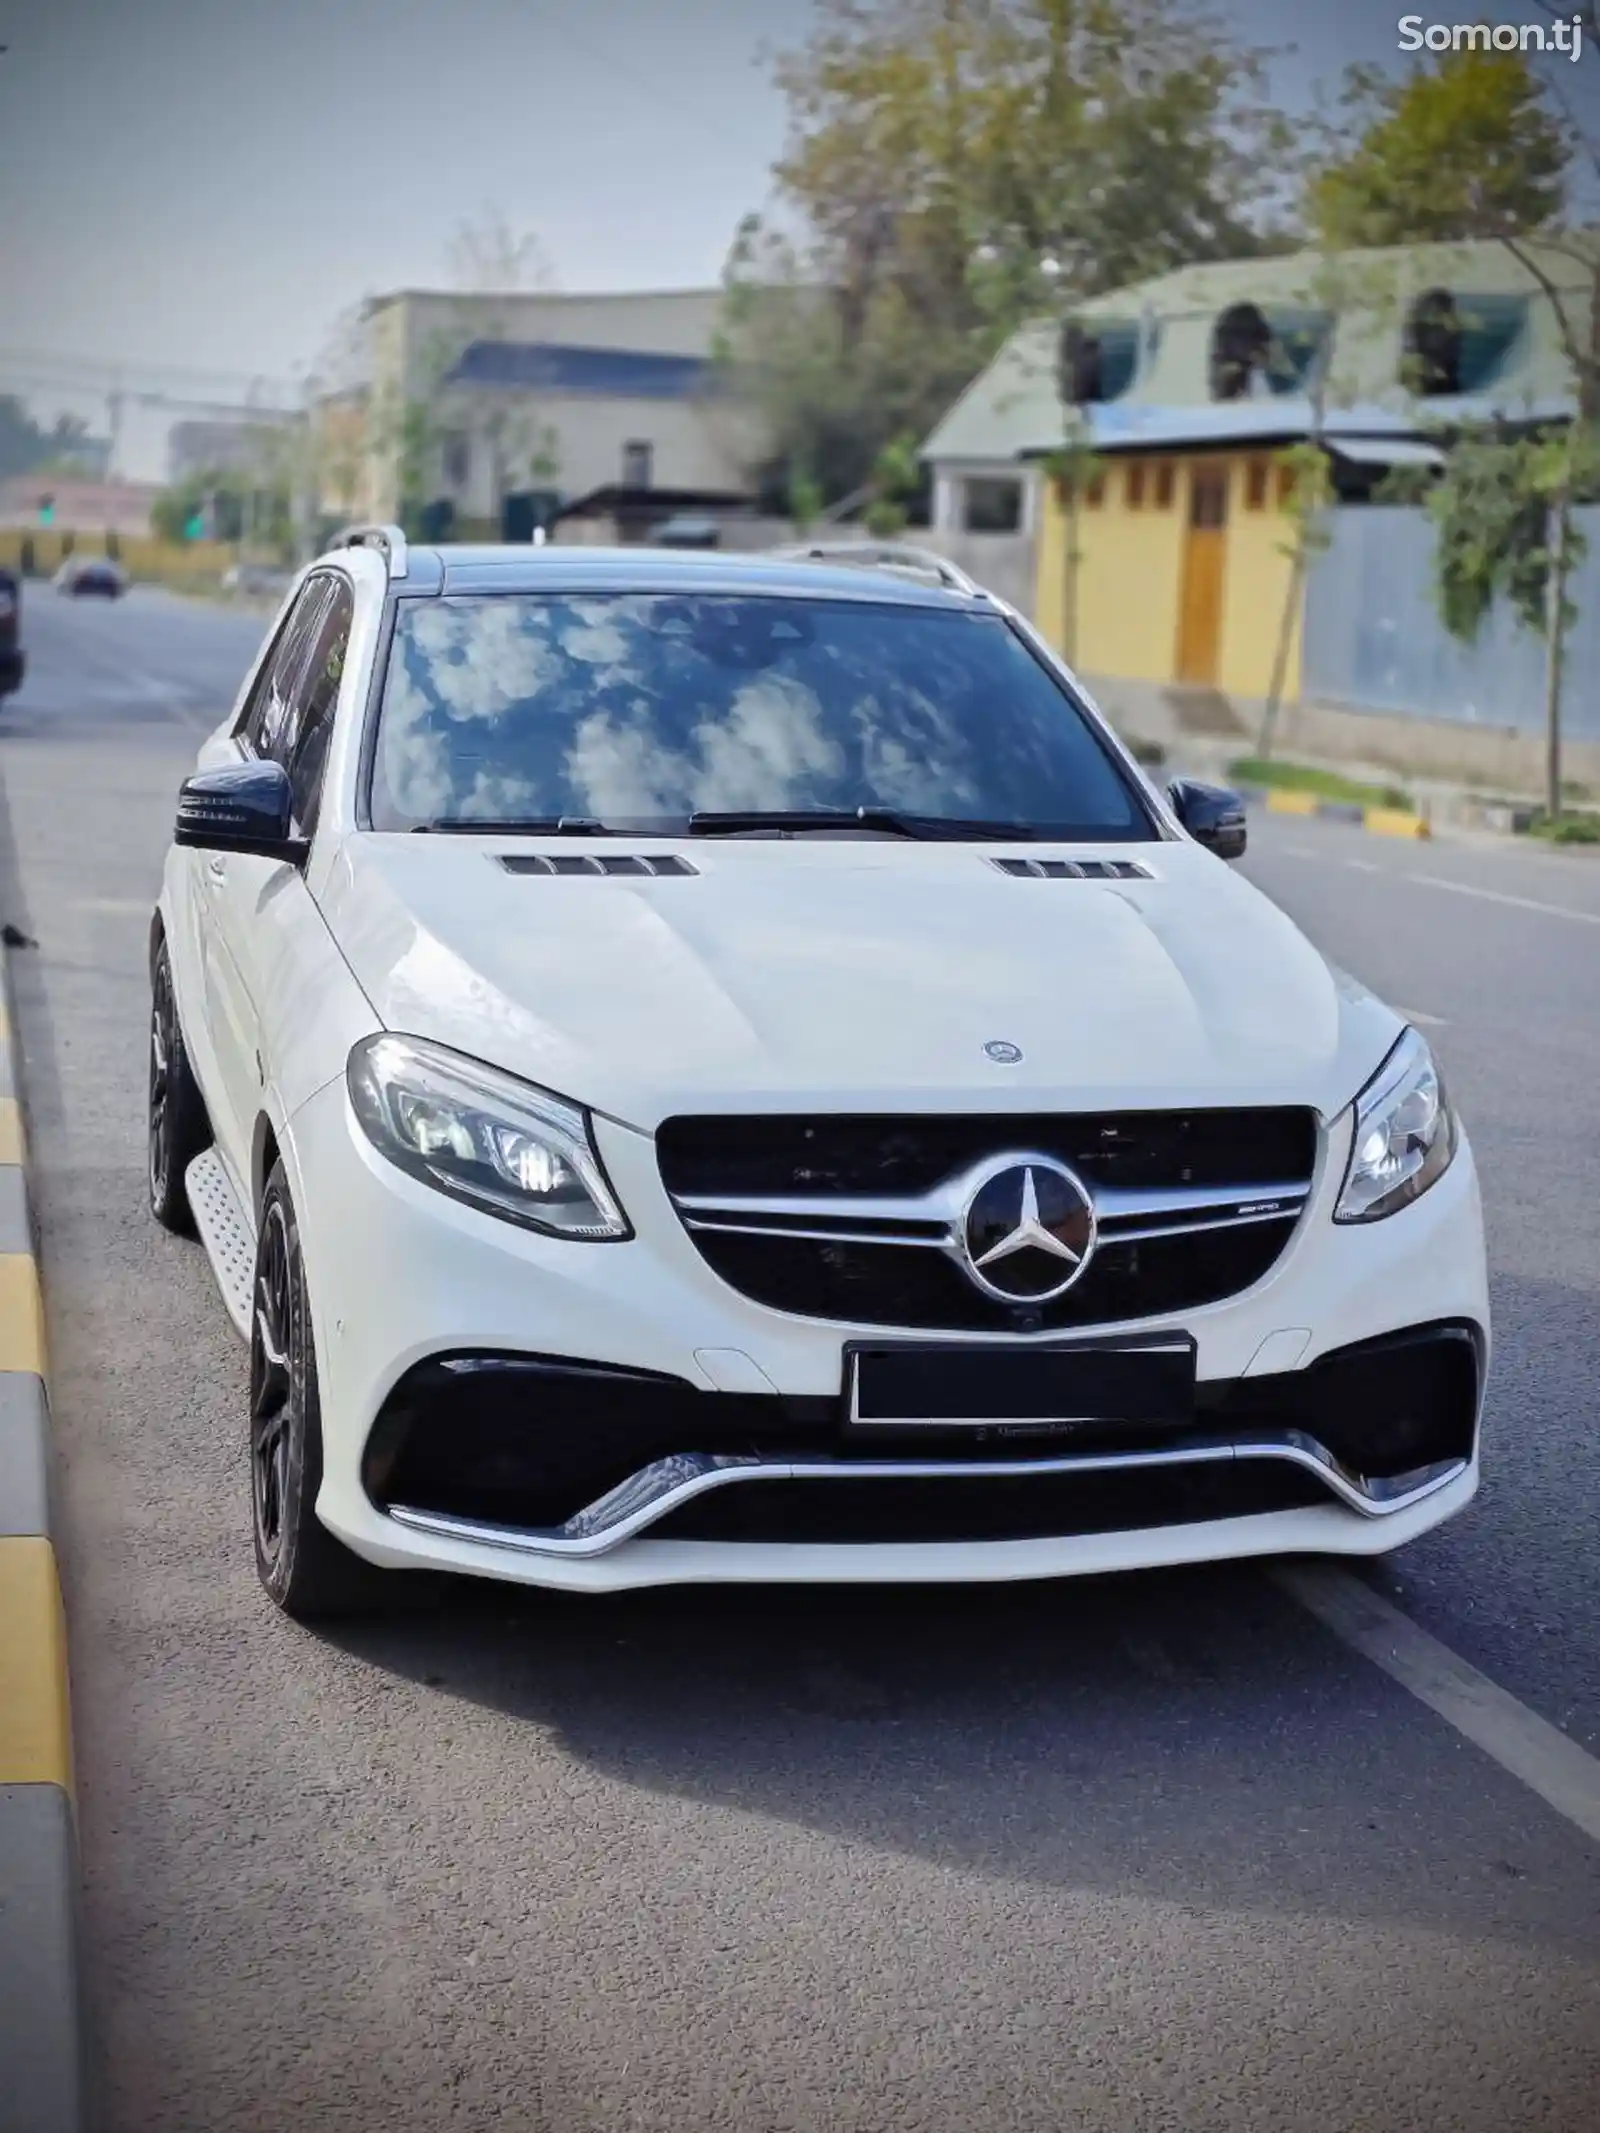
[(642, 710)]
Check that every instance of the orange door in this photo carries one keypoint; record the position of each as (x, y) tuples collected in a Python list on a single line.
[(1204, 552)]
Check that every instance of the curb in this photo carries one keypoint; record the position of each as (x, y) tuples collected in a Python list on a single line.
[(1377, 821), (41, 2046)]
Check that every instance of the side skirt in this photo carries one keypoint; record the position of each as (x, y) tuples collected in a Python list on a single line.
[(227, 1234)]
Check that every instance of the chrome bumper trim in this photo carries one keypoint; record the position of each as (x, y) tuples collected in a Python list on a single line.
[(647, 1496)]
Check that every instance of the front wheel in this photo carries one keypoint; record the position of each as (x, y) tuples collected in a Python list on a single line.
[(306, 1572)]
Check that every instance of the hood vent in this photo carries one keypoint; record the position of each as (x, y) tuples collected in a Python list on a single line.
[(1073, 869), (623, 863)]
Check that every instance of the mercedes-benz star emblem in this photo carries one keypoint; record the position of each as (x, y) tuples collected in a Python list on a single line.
[(1028, 1231), (1002, 1053)]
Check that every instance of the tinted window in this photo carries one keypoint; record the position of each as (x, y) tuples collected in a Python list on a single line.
[(638, 709), (316, 698), (267, 714)]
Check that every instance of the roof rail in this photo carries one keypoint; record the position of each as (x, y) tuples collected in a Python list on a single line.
[(884, 555), (388, 540)]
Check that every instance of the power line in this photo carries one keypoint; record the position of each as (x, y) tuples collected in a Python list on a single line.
[(91, 372)]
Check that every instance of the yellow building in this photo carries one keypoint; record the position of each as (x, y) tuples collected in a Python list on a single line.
[(1187, 388), (1172, 567)]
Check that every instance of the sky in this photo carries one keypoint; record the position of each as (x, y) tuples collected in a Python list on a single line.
[(208, 184)]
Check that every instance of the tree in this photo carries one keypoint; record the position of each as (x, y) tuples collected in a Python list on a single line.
[(492, 266), (409, 414), (26, 447), (943, 156), (1467, 150), (1480, 146)]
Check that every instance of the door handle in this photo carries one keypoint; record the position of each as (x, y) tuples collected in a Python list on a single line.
[(217, 867)]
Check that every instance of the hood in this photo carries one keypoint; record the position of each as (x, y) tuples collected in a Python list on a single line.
[(852, 975)]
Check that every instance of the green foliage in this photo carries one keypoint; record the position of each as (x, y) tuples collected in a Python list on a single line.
[(805, 499), (1074, 466), (27, 448), (1326, 784), (1309, 497), (1491, 511), (896, 478), (227, 506), (1465, 149), (957, 166), (1576, 827)]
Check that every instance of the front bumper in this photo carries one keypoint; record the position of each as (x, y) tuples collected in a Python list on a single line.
[(614, 1415)]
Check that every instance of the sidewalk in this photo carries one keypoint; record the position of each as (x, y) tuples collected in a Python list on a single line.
[(1203, 733)]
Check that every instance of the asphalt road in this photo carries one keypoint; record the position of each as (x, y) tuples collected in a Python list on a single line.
[(1144, 1853)]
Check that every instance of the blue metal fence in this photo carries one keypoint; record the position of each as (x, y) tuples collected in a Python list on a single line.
[(1373, 638)]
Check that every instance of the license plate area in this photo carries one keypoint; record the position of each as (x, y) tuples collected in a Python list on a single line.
[(1105, 1390)]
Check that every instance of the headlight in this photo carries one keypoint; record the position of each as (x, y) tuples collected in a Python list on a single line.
[(1405, 1135), (483, 1137)]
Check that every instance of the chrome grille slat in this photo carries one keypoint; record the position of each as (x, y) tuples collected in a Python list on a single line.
[(945, 1202)]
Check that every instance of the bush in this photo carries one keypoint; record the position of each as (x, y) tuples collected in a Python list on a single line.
[(1326, 784), (1569, 828)]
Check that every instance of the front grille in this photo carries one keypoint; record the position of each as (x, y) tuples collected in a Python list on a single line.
[(1132, 1149), (882, 1285), (833, 1267), (991, 1508)]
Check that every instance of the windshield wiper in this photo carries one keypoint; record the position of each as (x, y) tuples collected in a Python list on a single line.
[(512, 826), (892, 820)]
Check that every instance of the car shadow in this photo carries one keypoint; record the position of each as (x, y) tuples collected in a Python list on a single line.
[(1187, 1736)]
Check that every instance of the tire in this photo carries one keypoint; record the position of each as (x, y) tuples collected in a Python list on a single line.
[(306, 1572), (178, 1129)]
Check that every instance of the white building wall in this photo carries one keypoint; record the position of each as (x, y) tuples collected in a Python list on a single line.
[(692, 445)]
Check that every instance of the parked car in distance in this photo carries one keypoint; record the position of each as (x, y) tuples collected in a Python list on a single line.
[(91, 577), (13, 660), (722, 1069)]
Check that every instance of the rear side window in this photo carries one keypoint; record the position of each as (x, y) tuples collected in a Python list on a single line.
[(266, 717), (316, 697)]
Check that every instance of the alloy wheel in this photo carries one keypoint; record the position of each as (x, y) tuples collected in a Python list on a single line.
[(160, 1077), (275, 1388)]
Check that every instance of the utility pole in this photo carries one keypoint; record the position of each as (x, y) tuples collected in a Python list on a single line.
[(114, 403)]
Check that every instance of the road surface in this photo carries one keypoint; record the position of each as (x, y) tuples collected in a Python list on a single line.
[(1155, 1852)]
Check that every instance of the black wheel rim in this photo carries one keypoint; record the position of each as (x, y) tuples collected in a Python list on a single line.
[(275, 1388), (160, 1077)]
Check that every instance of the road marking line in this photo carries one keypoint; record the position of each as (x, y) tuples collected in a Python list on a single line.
[(1565, 1776), (1365, 866), (21, 1314), (11, 1144), (1500, 896), (35, 1734)]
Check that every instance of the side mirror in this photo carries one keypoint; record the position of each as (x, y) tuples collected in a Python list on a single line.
[(1211, 814), (243, 807)]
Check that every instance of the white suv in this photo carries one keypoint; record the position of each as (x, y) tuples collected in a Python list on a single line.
[(690, 1068)]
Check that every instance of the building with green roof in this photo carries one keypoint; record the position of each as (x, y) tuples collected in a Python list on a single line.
[(1187, 387)]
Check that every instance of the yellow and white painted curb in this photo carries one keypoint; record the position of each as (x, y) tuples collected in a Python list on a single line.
[(1378, 821), (41, 2057)]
